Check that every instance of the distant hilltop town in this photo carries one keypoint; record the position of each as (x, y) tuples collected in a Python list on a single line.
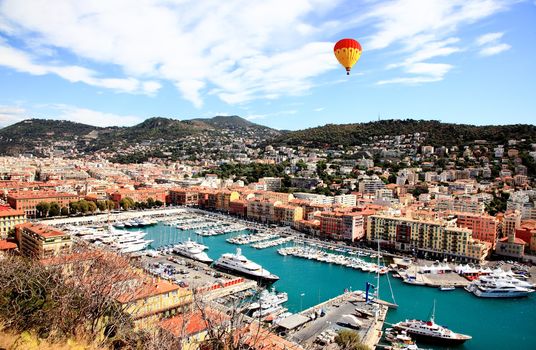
[(476, 195)]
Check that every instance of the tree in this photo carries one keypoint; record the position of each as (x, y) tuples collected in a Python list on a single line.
[(349, 340), (42, 208), (158, 203), (84, 206), (102, 205), (64, 211), (150, 202), (74, 207), (55, 209), (126, 203), (110, 205), (91, 206)]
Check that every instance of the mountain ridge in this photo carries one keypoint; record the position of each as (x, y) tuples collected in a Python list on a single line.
[(20, 137)]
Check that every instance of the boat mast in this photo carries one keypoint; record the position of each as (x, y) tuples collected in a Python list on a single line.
[(378, 272), (433, 313)]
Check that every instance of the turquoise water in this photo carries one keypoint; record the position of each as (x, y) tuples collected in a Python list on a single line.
[(493, 324)]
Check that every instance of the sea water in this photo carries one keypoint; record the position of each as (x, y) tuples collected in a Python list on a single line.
[(493, 323)]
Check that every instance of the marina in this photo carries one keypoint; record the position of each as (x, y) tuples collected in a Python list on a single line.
[(304, 281)]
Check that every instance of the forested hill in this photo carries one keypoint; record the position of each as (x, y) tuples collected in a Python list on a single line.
[(438, 133)]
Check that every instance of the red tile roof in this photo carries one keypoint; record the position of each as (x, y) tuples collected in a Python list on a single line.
[(8, 211), (193, 322), (5, 245), (42, 230)]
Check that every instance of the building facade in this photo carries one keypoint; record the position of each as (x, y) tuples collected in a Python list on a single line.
[(40, 241), (9, 218), (437, 238)]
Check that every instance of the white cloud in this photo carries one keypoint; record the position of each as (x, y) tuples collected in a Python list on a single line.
[(422, 30), (92, 117), (491, 44), (488, 38), (319, 109), (11, 115), (403, 21), (23, 62), (14, 114), (238, 50), (493, 50)]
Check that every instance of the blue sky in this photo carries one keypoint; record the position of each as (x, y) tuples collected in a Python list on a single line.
[(115, 63)]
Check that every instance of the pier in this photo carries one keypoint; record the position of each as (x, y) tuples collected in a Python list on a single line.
[(348, 310)]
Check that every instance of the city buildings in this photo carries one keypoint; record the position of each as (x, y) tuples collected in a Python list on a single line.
[(27, 200), (432, 238), (342, 226)]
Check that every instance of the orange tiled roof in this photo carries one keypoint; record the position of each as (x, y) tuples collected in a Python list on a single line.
[(5, 245), (193, 322), (148, 288), (42, 230), (8, 211), (39, 194)]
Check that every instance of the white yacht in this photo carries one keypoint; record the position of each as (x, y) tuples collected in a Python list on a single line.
[(273, 309), (192, 250), (497, 289), (493, 277), (240, 264), (269, 298), (130, 244), (431, 332)]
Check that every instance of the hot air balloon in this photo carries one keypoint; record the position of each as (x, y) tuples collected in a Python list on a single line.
[(347, 52)]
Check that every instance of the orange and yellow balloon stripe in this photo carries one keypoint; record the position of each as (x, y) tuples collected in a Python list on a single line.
[(348, 52)]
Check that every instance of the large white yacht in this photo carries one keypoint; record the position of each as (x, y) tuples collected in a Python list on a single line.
[(192, 250), (267, 298), (431, 332), (497, 289), (506, 277), (240, 264), (130, 244)]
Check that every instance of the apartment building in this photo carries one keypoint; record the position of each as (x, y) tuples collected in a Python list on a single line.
[(261, 209), (153, 299), (370, 184), (224, 198), (9, 218), (287, 214), (270, 183), (484, 227), (41, 241), (184, 196), (467, 205), (239, 208), (139, 195), (342, 226), (432, 238), (27, 200)]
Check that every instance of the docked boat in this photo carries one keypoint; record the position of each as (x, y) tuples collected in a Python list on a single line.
[(269, 298), (192, 250), (238, 263), (431, 332), (497, 289), (446, 288), (130, 244)]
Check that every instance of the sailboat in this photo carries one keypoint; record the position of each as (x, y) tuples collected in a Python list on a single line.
[(376, 288)]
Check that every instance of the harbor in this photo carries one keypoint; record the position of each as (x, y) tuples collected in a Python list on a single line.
[(304, 280)]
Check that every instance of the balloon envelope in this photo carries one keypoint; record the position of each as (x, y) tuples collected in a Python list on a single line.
[(347, 52)]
